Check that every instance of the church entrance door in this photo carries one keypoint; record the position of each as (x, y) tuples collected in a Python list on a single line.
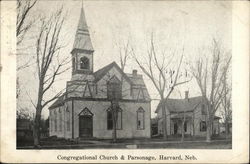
[(85, 126)]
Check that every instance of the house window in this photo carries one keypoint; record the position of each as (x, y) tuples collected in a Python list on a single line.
[(185, 126), (84, 63), (110, 119), (114, 88), (55, 120), (203, 110), (140, 118), (203, 126)]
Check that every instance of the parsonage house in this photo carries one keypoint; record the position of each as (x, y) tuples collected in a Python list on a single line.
[(194, 111), (84, 110)]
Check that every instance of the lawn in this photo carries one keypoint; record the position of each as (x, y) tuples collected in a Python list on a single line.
[(189, 145), (155, 143)]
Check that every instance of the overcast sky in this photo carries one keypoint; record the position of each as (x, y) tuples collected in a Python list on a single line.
[(175, 24)]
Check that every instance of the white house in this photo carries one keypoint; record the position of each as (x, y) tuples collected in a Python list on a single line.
[(84, 110), (194, 111)]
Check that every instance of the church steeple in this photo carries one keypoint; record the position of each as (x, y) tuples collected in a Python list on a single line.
[(82, 37), (82, 52)]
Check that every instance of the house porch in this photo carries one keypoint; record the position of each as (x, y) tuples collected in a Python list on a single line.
[(176, 125)]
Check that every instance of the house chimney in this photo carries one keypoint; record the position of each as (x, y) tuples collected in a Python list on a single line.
[(186, 94), (134, 72)]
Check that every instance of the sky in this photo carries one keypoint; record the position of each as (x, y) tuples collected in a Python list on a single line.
[(175, 24)]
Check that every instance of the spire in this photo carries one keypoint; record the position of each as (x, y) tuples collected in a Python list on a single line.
[(82, 24), (82, 37)]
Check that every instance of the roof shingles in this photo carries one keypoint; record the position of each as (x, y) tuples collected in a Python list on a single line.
[(182, 105)]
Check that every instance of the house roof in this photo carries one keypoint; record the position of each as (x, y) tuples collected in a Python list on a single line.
[(82, 37), (181, 105)]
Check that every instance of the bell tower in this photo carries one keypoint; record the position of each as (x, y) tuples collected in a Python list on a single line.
[(82, 52)]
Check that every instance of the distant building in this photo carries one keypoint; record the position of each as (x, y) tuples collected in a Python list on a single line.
[(84, 110), (194, 111)]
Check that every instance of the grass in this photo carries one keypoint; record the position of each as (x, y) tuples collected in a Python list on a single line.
[(189, 145), (172, 142)]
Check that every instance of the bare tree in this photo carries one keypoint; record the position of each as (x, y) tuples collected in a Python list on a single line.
[(163, 74), (183, 126), (49, 64), (124, 54), (23, 24), (226, 111), (115, 93), (114, 100), (209, 77)]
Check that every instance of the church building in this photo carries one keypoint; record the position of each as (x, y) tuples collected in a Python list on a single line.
[(84, 110)]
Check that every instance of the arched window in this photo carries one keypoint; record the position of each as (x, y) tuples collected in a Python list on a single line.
[(114, 88), (84, 63), (118, 119), (140, 119)]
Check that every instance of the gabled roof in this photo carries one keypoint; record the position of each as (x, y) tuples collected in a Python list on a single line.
[(82, 37), (181, 105), (102, 72)]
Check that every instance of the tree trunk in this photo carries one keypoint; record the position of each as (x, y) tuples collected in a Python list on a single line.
[(114, 118), (182, 131), (193, 126), (208, 133), (226, 128), (208, 122), (164, 120), (114, 134), (114, 130), (182, 127), (36, 127)]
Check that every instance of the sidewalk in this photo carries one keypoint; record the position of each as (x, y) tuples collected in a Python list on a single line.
[(136, 144)]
